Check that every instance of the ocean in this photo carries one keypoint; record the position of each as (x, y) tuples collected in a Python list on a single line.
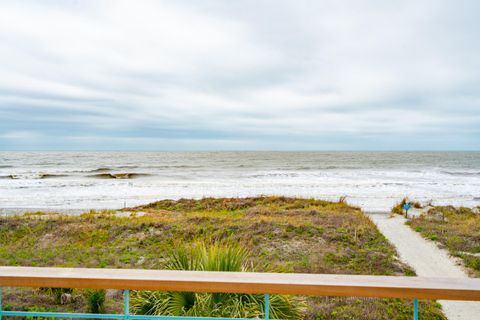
[(375, 181)]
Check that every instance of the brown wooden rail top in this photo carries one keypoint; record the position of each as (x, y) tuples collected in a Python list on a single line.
[(244, 282)]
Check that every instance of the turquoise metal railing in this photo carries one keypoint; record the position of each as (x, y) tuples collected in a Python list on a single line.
[(125, 316)]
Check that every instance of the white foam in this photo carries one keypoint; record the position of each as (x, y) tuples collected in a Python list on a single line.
[(197, 175)]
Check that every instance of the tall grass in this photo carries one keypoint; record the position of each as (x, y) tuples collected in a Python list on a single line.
[(95, 299)]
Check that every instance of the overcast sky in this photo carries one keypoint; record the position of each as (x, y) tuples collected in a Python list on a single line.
[(241, 75)]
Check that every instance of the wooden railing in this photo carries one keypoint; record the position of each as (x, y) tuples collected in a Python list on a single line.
[(237, 282)]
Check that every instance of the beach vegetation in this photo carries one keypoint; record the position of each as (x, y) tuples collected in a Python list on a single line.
[(95, 299), (398, 208), (455, 228), (216, 257), (57, 293), (280, 234)]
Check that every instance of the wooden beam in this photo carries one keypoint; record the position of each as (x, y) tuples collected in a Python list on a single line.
[(244, 282)]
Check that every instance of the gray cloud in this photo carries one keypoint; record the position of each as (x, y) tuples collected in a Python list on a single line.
[(239, 75)]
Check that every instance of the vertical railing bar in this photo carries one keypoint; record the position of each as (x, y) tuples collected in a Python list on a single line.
[(1, 302), (126, 304), (415, 309), (267, 306)]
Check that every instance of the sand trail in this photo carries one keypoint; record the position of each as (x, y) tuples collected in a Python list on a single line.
[(427, 260)]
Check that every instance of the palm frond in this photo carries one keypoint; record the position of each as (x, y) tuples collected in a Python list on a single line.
[(216, 257)]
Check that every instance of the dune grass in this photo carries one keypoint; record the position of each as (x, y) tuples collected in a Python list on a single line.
[(281, 235), (456, 229), (398, 208)]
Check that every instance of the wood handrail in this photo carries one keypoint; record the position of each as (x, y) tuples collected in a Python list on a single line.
[(244, 282)]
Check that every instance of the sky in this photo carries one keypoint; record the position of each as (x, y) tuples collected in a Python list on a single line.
[(239, 75)]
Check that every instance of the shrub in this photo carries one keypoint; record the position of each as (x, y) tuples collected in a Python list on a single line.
[(95, 299), (398, 208)]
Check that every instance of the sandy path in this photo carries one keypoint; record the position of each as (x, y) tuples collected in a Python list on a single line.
[(427, 260)]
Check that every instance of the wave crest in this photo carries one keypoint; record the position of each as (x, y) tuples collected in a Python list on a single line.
[(125, 175)]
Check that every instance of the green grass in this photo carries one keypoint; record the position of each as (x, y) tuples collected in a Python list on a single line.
[(456, 229), (281, 235)]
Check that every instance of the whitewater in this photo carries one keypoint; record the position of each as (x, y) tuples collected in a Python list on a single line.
[(109, 180)]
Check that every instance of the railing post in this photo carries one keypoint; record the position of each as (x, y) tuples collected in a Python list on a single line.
[(126, 304), (1, 302), (415, 309), (267, 306)]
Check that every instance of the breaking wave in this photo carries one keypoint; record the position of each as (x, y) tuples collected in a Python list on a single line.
[(126, 175)]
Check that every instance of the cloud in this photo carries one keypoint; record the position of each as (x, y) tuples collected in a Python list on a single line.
[(242, 75)]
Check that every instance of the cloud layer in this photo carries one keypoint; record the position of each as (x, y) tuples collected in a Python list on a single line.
[(169, 75)]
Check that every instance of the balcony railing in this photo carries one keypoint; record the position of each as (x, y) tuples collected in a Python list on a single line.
[(231, 282)]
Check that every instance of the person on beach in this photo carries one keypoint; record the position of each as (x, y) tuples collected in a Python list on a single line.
[(406, 207)]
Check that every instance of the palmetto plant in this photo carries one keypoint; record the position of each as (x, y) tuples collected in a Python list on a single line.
[(213, 258)]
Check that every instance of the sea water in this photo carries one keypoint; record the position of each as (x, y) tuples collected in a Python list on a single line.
[(374, 181)]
